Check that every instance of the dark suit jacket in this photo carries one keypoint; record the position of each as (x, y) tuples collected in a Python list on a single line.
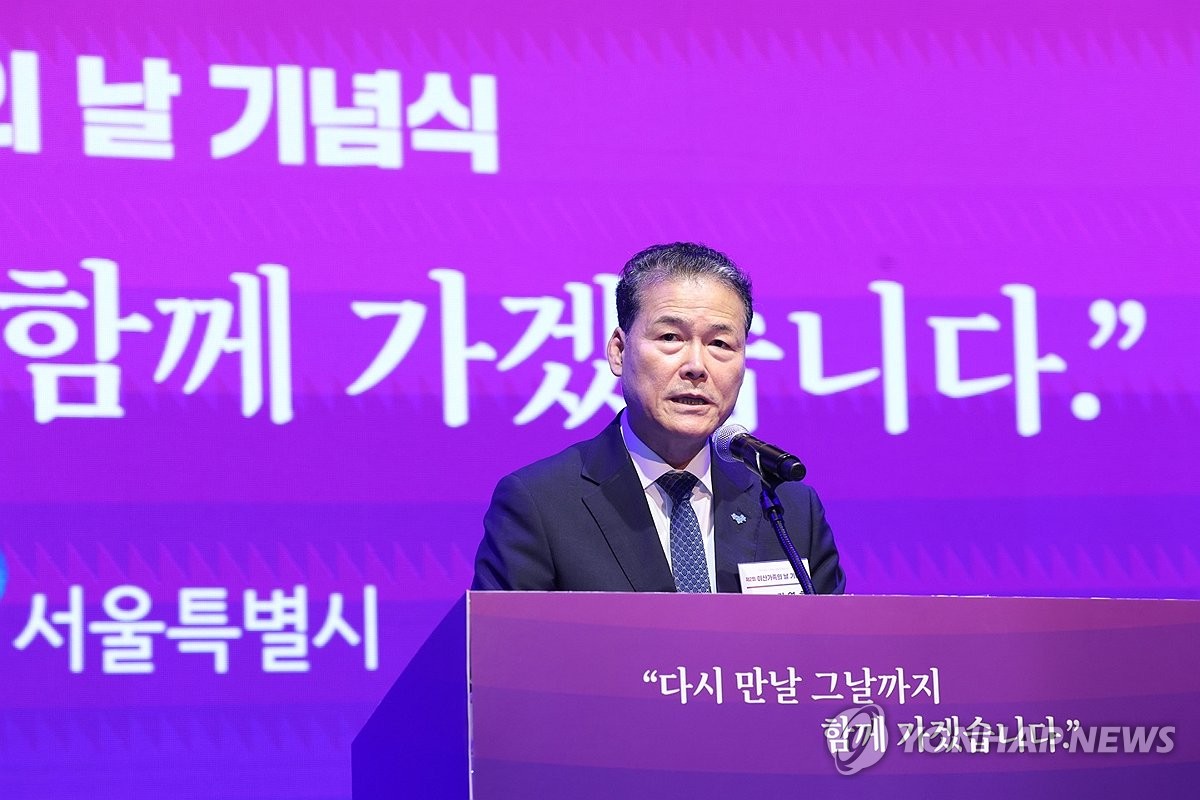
[(579, 521)]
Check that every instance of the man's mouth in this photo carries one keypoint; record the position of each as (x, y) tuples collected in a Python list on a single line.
[(691, 401)]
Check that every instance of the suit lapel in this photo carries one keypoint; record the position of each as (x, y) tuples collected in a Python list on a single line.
[(735, 497), (619, 507)]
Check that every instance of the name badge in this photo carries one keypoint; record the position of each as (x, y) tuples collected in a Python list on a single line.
[(770, 577)]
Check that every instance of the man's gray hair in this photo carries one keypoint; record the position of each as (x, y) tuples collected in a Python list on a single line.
[(679, 260)]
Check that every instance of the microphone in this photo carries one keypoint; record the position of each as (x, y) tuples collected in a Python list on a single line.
[(734, 443)]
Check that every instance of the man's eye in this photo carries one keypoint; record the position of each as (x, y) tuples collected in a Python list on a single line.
[(721, 343), (670, 337)]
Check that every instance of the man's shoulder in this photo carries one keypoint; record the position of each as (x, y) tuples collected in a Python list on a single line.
[(796, 490), (570, 462), (800, 498), (797, 497), (741, 476)]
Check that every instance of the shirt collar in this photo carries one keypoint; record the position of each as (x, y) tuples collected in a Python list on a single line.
[(650, 467)]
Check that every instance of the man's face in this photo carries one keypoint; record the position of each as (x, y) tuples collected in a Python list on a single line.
[(681, 364)]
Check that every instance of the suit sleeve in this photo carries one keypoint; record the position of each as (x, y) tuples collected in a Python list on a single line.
[(515, 551), (827, 575)]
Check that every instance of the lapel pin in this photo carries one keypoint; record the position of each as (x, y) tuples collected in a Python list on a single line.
[(738, 518)]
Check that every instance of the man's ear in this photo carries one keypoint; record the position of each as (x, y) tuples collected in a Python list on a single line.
[(616, 351)]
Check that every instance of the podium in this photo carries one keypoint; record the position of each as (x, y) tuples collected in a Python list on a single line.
[(614, 696)]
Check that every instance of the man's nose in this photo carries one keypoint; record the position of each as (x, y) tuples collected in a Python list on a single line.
[(694, 367)]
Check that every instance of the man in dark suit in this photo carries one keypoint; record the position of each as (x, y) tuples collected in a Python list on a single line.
[(644, 506)]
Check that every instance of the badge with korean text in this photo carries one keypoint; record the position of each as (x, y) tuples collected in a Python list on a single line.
[(770, 577)]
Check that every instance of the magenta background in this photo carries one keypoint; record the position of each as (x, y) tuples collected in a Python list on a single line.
[(558, 697), (952, 148)]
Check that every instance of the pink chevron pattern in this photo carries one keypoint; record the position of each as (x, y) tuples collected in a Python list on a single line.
[(945, 150)]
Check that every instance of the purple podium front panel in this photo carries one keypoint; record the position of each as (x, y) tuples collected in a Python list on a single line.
[(287, 286), (604, 696)]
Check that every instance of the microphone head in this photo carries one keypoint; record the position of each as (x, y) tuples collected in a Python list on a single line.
[(723, 441)]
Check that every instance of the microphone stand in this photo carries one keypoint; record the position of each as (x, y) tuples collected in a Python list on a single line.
[(773, 510)]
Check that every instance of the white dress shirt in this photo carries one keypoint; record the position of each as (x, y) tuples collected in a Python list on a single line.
[(650, 467)]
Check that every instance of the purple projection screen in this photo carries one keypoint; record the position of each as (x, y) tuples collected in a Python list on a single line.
[(286, 287), (906, 698)]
